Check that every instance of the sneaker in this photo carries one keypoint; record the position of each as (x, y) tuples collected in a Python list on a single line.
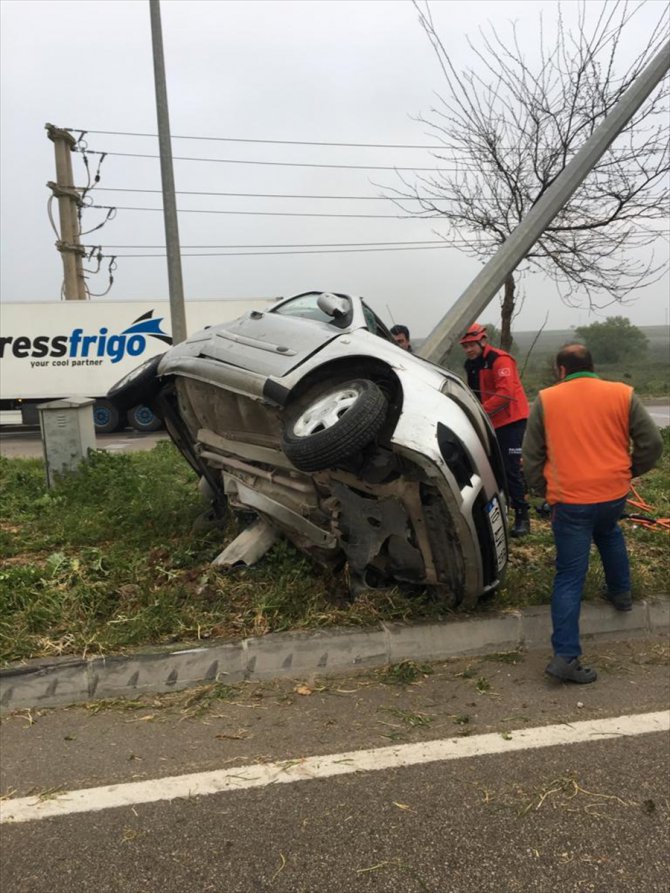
[(622, 601), (570, 670)]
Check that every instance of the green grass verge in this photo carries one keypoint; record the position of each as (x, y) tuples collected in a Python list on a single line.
[(107, 561)]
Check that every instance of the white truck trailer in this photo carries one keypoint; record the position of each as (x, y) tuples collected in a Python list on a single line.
[(50, 350)]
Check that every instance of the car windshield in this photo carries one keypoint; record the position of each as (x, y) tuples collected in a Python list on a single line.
[(306, 307)]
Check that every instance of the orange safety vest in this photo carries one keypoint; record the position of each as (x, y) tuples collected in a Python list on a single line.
[(586, 424)]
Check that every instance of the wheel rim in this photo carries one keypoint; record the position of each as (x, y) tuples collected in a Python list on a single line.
[(326, 412), (143, 415), (102, 416)]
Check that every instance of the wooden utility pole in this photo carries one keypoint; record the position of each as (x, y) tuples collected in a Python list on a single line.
[(63, 189)]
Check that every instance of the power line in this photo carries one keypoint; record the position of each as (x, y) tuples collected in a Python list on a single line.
[(360, 167), (456, 243), (298, 248), (234, 139), (466, 166), (295, 214), (278, 253), (374, 198), (293, 244), (277, 213)]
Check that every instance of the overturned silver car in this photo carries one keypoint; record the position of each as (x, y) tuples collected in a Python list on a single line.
[(311, 417)]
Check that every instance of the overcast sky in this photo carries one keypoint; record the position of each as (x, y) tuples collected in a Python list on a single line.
[(326, 70)]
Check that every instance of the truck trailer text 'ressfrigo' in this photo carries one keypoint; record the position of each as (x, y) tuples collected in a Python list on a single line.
[(50, 350)]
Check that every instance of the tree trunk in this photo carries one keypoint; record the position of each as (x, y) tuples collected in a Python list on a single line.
[(506, 313)]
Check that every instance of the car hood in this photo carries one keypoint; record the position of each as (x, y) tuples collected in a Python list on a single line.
[(266, 344)]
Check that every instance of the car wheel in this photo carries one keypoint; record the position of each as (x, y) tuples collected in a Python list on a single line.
[(144, 419), (106, 417), (334, 426), (138, 387)]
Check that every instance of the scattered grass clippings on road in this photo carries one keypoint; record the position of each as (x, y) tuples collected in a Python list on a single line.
[(505, 657), (409, 718), (107, 562), (567, 793), (379, 865), (656, 654), (406, 672)]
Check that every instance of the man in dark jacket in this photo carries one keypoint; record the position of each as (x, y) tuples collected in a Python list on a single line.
[(493, 376), (401, 337)]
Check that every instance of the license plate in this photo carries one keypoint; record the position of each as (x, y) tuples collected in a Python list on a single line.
[(498, 530)]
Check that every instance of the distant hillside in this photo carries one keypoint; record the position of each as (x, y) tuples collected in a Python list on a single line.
[(550, 341), (659, 339)]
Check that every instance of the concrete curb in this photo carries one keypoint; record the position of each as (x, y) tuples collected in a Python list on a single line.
[(53, 683)]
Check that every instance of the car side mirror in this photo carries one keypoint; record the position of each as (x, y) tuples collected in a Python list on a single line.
[(333, 305)]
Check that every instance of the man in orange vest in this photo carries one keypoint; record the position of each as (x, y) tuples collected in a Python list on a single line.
[(493, 376), (577, 452)]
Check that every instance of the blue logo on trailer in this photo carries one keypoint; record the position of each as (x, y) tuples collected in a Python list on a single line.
[(130, 342)]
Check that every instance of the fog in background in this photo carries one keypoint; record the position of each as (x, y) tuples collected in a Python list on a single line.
[(347, 71)]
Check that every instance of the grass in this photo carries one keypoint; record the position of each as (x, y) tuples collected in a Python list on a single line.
[(107, 561), (650, 378)]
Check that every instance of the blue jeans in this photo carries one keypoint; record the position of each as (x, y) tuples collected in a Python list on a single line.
[(574, 527)]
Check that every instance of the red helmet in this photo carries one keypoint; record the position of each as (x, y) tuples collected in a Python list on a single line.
[(475, 333)]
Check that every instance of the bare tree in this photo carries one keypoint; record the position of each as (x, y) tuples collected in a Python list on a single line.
[(510, 127)]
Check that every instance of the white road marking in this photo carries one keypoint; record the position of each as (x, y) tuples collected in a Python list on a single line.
[(27, 809)]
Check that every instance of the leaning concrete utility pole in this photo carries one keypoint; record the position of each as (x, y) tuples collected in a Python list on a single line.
[(175, 282), (492, 276), (74, 286)]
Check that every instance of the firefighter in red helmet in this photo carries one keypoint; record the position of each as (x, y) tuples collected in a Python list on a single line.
[(493, 376)]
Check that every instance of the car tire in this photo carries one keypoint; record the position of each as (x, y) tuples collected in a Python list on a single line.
[(334, 425), (139, 387), (106, 417), (142, 418)]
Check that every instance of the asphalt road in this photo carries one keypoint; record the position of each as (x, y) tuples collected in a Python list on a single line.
[(660, 414), (26, 443), (585, 816)]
